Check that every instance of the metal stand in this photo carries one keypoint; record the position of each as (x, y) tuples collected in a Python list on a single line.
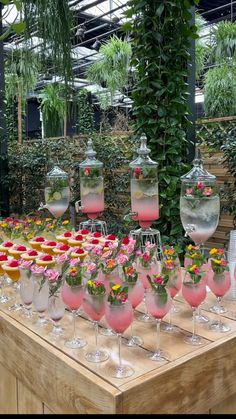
[(150, 235), (94, 225)]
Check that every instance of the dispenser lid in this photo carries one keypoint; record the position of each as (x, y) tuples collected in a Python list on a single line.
[(56, 172), (143, 154), (198, 172), (90, 154)]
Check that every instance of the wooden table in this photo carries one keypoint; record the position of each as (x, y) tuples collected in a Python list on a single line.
[(40, 375)]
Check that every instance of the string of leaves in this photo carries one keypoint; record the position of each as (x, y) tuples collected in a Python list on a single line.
[(53, 108), (161, 32), (85, 113)]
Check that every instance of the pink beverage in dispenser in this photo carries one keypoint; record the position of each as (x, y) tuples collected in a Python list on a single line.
[(72, 296), (119, 317), (144, 187), (91, 184)]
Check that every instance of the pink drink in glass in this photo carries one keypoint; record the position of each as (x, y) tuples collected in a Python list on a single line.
[(193, 293), (187, 262), (158, 304), (175, 282), (142, 274), (119, 317), (72, 296), (219, 284), (135, 292), (94, 306)]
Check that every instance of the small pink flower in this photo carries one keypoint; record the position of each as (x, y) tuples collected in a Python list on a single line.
[(158, 280), (35, 269), (121, 297), (137, 171), (220, 251), (207, 191), (138, 253), (25, 264), (91, 267), (97, 251), (146, 257), (87, 171), (223, 262), (196, 271), (98, 283), (52, 275), (60, 259), (200, 185), (106, 255), (121, 259), (74, 262), (189, 191)]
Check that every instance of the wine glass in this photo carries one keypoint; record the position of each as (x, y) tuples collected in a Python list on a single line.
[(219, 284), (40, 298), (194, 293), (150, 269), (119, 317), (26, 291), (135, 296), (107, 278), (94, 307), (159, 304), (11, 268), (73, 298), (174, 285), (56, 310), (3, 259)]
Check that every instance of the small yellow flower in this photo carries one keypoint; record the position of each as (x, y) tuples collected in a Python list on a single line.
[(213, 251), (4, 225), (38, 222), (193, 268), (65, 222), (48, 219), (90, 283), (168, 251), (17, 227), (189, 247), (29, 236), (217, 261), (116, 287), (194, 255)]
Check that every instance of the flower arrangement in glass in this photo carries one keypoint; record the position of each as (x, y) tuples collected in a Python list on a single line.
[(41, 293), (72, 293), (194, 292), (129, 276), (94, 306), (119, 315), (219, 283), (26, 287), (171, 252), (158, 301), (56, 307), (172, 271)]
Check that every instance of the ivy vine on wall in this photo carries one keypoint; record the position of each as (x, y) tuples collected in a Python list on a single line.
[(161, 32)]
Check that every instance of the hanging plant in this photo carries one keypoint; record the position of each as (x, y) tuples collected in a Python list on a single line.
[(53, 108)]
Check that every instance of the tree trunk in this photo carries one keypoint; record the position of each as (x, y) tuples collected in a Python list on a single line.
[(19, 115), (65, 125)]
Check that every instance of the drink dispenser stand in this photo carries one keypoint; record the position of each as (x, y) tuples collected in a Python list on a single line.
[(91, 191), (56, 192), (144, 196)]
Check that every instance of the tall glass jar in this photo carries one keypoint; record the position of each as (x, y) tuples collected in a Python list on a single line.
[(91, 183), (57, 192), (199, 202), (144, 187)]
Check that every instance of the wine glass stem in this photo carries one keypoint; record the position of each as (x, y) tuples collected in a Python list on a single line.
[(194, 320), (219, 309), (158, 335), (119, 349), (96, 334), (74, 318), (170, 317)]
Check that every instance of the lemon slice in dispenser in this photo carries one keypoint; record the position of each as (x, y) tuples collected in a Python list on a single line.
[(56, 196), (138, 194)]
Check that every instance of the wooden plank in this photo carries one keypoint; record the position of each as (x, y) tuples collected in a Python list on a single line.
[(47, 410), (28, 403), (62, 383), (228, 406), (188, 386), (8, 391)]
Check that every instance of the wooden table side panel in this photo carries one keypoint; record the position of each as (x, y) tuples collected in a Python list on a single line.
[(54, 378), (194, 386), (228, 406), (47, 410), (8, 391), (28, 403)]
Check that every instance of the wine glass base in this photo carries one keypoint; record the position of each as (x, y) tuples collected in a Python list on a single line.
[(122, 371), (159, 356), (15, 307), (4, 299), (55, 334), (75, 343), (201, 319), (41, 321), (97, 356), (194, 340), (133, 341), (107, 332), (218, 309), (219, 327), (169, 328), (146, 318), (27, 314), (174, 309)]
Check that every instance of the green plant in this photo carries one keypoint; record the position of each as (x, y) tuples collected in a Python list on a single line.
[(53, 108), (112, 68), (85, 113), (160, 96), (220, 91), (22, 68), (201, 49), (224, 41)]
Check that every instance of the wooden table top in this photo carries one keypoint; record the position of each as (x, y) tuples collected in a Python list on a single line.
[(192, 381)]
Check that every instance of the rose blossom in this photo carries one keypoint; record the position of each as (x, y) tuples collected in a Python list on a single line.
[(25, 264), (35, 269), (60, 259), (121, 259), (74, 262), (91, 268), (52, 275)]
